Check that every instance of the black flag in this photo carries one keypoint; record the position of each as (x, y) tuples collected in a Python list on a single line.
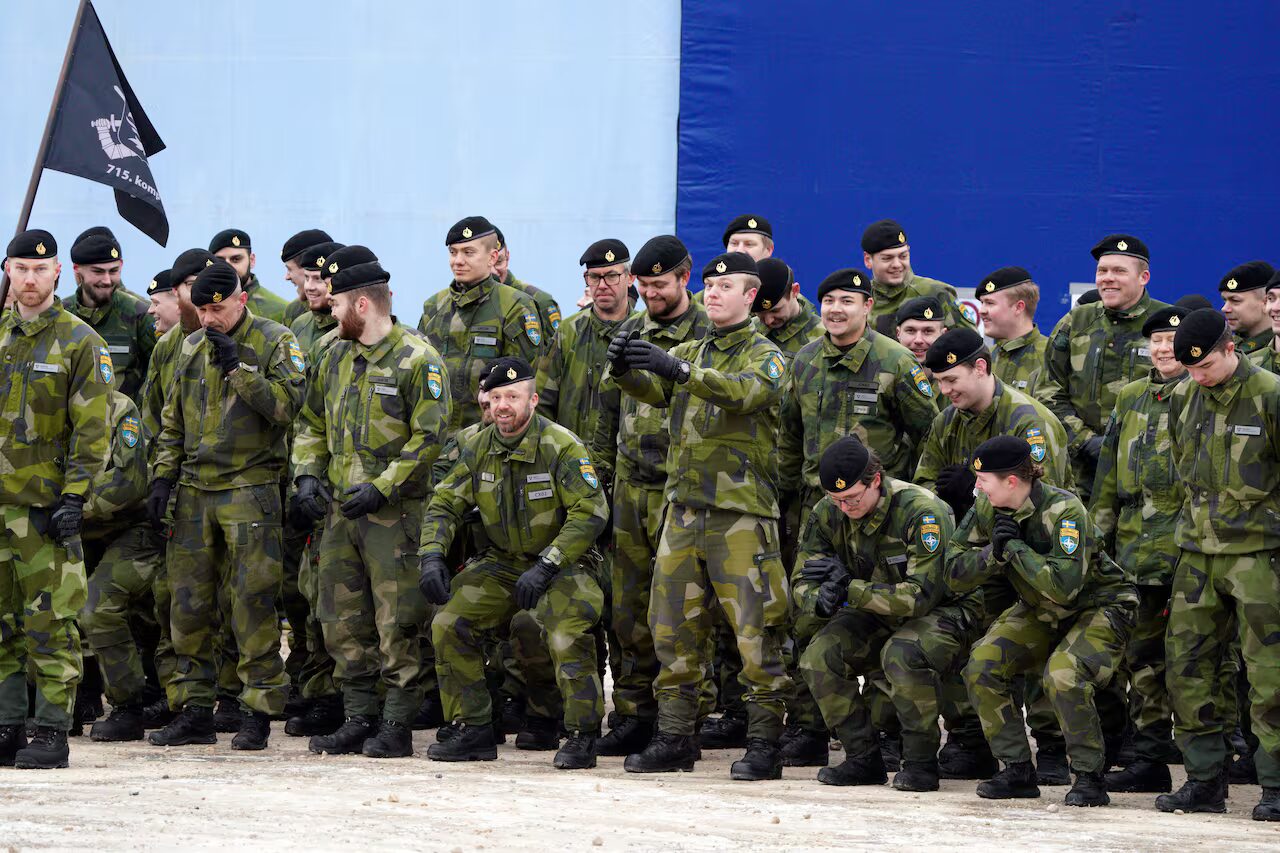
[(100, 131)]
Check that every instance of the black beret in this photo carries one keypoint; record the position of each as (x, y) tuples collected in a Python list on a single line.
[(776, 279), (190, 263), (1197, 334), (502, 241), (1192, 302), (1089, 297), (214, 283), (348, 256), (1121, 244), (471, 228), (94, 231), (34, 244), (316, 257), (920, 308), (295, 244), (1274, 281), (845, 279), (604, 253), (843, 463), (358, 275), (95, 249), (953, 347), (231, 238), (659, 255), (506, 371), (1002, 278), (1166, 319), (1001, 453), (749, 224), (885, 234), (1253, 275), (730, 263), (162, 282)]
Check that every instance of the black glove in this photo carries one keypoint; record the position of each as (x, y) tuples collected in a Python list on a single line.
[(1090, 450), (533, 583), (821, 569), (955, 486), (225, 352), (1003, 530), (618, 352), (158, 501), (311, 502), (67, 518), (643, 355), (433, 579), (831, 597), (365, 498)]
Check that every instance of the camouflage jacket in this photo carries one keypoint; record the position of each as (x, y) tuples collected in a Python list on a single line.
[(472, 326), (875, 389), (295, 309), (538, 496), (1226, 443), (1018, 362), (374, 415), (55, 377), (1056, 566), (724, 420), (120, 491), (1250, 345), (801, 329), (571, 387), (890, 297), (1267, 358), (956, 433), (159, 383), (130, 333), (1137, 494), (548, 308), (225, 432), (310, 328), (643, 430), (897, 554), (263, 302)]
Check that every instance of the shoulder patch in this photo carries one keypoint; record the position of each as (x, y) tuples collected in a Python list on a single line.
[(130, 429), (1035, 438), (434, 383), (532, 328), (966, 311), (104, 365), (295, 355), (930, 533), (1068, 536), (553, 317), (774, 366), (588, 472), (922, 381)]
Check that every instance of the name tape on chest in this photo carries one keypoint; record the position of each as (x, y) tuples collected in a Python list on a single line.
[(485, 341), (45, 367), (1241, 429), (118, 349), (539, 494), (538, 478), (385, 390)]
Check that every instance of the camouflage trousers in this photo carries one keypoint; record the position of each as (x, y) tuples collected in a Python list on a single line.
[(373, 616), (708, 558), (315, 672), (225, 554), (802, 710), (1210, 594), (1076, 657), (482, 602), (42, 588), (1148, 697), (637, 527), (129, 579), (913, 656)]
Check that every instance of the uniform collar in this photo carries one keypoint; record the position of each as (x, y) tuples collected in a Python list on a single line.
[(731, 336), (605, 328), (854, 355), (872, 523), (1226, 392), (241, 330), (797, 325), (93, 315), (324, 319), (1141, 307), (980, 420), (38, 323), (678, 329), (252, 284), (526, 450), (1019, 342), (1031, 504), (374, 354), (464, 295)]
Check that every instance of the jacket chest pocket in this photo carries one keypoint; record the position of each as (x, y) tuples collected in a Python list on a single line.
[(891, 566), (121, 353), (484, 341), (43, 393), (1249, 470), (384, 429)]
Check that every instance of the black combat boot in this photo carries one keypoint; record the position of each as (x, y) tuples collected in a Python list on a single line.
[(513, 715), (12, 739), (349, 739), (664, 754), (296, 705), (1197, 795), (88, 706), (1017, 781), (917, 776), (471, 743), (967, 758), (578, 752), (124, 723), (227, 718), (1243, 771), (806, 748), (762, 761), (628, 735), (193, 725), (1268, 808), (864, 769), (158, 714), (540, 734), (393, 740), (1051, 764), (430, 713), (46, 751), (891, 751), (255, 728), (729, 731), (1089, 790), (324, 717), (447, 732), (1140, 777)]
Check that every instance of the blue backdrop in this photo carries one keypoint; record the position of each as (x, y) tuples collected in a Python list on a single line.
[(996, 133)]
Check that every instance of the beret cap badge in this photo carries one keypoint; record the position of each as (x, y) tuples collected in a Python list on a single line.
[(235, 240), (977, 464), (609, 255), (1174, 320), (902, 238), (991, 286), (333, 267), (1195, 352), (1232, 284), (511, 373), (928, 313), (951, 358), (767, 304), (657, 269), (115, 253), (720, 267), (751, 223), (466, 232), (40, 249), (1122, 246), (319, 261), (840, 483), (217, 297)]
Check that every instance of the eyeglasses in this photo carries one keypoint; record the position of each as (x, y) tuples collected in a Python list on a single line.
[(610, 278)]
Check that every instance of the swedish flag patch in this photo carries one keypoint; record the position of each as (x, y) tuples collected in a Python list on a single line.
[(104, 365), (434, 383), (295, 355), (532, 329), (922, 381), (774, 366), (588, 472), (1039, 450), (1068, 536), (930, 533), (130, 430)]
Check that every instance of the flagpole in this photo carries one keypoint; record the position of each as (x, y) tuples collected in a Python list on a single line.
[(25, 216)]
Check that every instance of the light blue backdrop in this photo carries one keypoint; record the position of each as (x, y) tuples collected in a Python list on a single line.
[(383, 122)]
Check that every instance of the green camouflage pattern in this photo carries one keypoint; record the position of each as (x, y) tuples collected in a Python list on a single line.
[(1149, 707), (890, 297), (130, 333), (548, 308), (228, 432), (1248, 345), (638, 514), (1267, 358), (472, 326), (265, 303), (805, 327), (571, 387), (310, 328), (159, 383), (295, 309), (1019, 362), (119, 492)]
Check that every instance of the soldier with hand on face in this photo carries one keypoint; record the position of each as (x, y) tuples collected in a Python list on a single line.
[(233, 246)]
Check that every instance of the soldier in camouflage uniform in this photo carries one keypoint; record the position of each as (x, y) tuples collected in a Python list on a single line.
[(1070, 619), (318, 320), (917, 324), (548, 309), (1268, 358), (371, 427), (232, 245), (872, 561), (638, 438), (887, 254), (1243, 291), (238, 386), (1224, 426), (117, 315), (782, 315), (542, 508), (719, 542), (1008, 299), (750, 234), (56, 375), (477, 319), (294, 274), (1097, 349)]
